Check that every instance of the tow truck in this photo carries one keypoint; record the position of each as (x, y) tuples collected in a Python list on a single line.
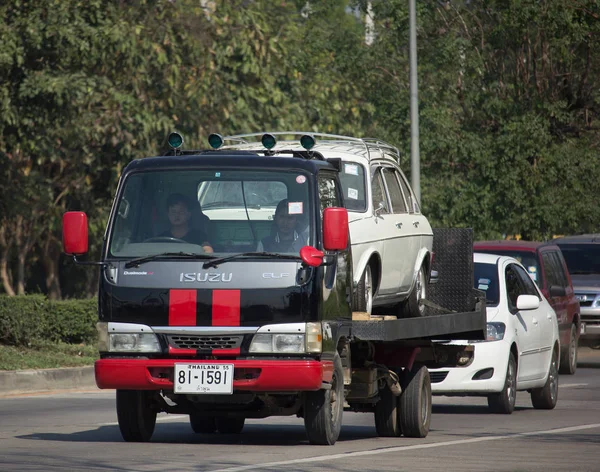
[(238, 331)]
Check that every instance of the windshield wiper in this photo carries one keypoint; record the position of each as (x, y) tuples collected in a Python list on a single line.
[(220, 260), (178, 255)]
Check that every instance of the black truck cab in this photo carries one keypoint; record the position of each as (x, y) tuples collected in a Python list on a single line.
[(224, 292)]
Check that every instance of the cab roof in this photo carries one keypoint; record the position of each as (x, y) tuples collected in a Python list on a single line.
[(228, 158)]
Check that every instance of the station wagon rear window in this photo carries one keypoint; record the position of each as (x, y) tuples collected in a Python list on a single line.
[(352, 177)]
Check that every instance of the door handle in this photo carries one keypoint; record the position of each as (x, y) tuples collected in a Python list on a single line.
[(416, 224), (399, 225)]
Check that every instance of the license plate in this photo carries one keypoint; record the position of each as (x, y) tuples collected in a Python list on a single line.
[(582, 330), (204, 378)]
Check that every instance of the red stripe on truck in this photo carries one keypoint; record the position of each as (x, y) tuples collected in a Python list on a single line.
[(226, 312), (226, 308), (182, 307)]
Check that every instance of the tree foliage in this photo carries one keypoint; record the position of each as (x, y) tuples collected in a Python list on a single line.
[(509, 100)]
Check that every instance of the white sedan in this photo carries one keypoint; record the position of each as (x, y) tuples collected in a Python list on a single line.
[(522, 348)]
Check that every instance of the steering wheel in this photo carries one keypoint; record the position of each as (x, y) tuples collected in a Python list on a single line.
[(165, 239)]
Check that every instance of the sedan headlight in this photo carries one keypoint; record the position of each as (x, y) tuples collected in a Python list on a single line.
[(495, 331)]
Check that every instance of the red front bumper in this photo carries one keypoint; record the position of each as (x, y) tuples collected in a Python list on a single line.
[(252, 375)]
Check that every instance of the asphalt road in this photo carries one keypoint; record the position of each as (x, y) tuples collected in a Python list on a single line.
[(77, 431)]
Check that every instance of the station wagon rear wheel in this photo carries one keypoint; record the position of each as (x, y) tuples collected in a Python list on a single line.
[(363, 297), (413, 306)]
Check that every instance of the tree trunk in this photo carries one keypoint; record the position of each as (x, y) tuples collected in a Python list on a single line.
[(6, 244), (21, 258), (8, 288), (51, 262)]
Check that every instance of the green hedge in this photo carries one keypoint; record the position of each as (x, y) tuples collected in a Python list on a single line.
[(24, 319)]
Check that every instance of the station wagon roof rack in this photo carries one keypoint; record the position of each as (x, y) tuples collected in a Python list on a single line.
[(369, 144)]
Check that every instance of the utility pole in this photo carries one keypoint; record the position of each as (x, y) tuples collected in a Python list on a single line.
[(415, 164)]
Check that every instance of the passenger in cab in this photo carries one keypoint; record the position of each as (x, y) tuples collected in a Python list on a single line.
[(285, 236), (180, 214)]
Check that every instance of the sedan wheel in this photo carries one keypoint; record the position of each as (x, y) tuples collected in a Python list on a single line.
[(545, 398), (504, 401)]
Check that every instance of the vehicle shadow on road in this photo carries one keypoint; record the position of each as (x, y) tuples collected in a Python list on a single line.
[(181, 433), (467, 409)]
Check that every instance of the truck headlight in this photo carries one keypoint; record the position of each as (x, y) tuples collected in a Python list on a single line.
[(288, 338), (133, 342), (495, 331), (279, 343)]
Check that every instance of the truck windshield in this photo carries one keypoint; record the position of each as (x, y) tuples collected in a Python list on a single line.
[(582, 258), (218, 212)]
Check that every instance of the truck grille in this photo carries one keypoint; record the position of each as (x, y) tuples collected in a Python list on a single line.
[(439, 376), (205, 343)]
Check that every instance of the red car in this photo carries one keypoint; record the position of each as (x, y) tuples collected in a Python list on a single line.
[(547, 267)]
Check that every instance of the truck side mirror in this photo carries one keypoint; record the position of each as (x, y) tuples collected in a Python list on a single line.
[(311, 256), (557, 291), (335, 229), (75, 233)]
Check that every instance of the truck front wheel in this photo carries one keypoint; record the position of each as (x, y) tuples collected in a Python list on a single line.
[(323, 409), (136, 415), (415, 403)]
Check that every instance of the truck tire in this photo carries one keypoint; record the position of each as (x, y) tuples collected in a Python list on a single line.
[(136, 415), (363, 296), (323, 409), (202, 424), (415, 403), (568, 359), (387, 422), (412, 308), (504, 402), (230, 425), (545, 398)]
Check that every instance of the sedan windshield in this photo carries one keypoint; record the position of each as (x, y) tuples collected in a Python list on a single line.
[(216, 212), (486, 279)]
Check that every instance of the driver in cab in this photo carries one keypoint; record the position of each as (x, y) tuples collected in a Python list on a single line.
[(285, 237), (179, 214)]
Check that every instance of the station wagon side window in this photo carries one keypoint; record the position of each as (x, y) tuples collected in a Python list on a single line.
[(396, 197), (413, 206), (378, 191), (352, 179)]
